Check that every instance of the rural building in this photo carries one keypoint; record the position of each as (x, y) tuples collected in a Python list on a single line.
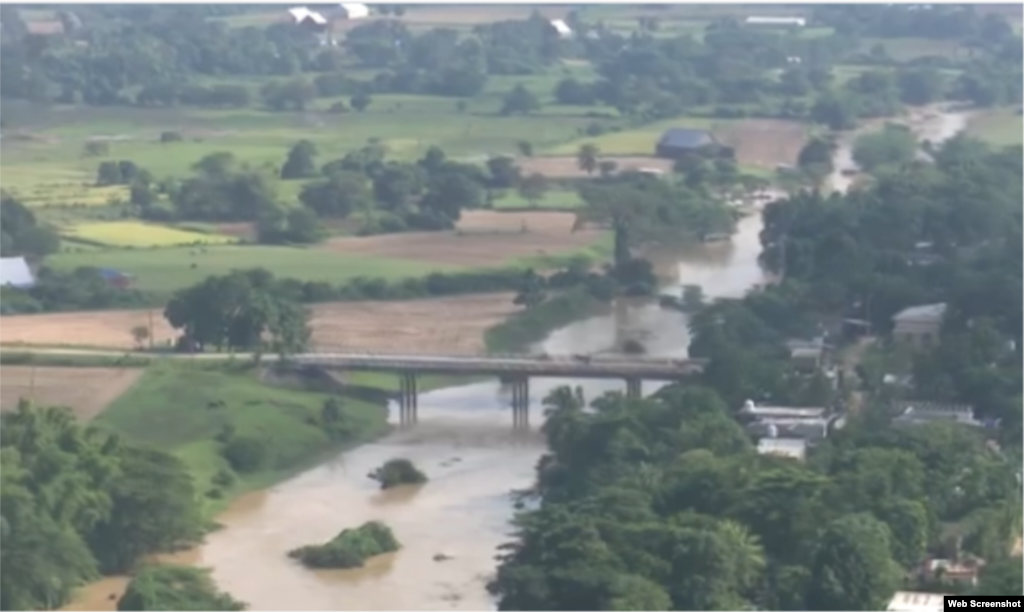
[(116, 278), (305, 17), (910, 601), (352, 10), (805, 429), (677, 142), (805, 355), (964, 572), (782, 412), (795, 22), (918, 412), (564, 31), (919, 326), (794, 448), (14, 272)]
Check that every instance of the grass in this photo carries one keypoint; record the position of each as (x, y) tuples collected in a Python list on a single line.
[(172, 268), (640, 141), (552, 200), (136, 234), (406, 125), (180, 408), (1001, 127), (908, 49)]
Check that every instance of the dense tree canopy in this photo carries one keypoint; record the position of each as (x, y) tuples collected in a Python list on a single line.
[(76, 502)]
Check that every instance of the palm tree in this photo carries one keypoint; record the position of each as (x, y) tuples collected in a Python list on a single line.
[(586, 158), (748, 559)]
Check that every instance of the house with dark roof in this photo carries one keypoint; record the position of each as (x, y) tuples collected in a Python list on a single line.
[(677, 142), (15, 272)]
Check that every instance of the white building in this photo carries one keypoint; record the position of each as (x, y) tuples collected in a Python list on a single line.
[(797, 22), (752, 409), (349, 10), (795, 448), (919, 326), (302, 15), (910, 601), (562, 28)]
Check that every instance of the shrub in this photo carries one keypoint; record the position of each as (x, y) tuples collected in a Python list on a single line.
[(246, 454), (396, 472), (350, 548)]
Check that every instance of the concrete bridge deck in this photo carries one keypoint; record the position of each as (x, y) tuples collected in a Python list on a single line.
[(509, 366)]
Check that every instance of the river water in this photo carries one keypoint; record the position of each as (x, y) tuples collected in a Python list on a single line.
[(464, 442)]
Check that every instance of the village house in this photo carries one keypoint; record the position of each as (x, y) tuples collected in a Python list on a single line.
[(794, 22), (564, 31), (677, 142), (909, 412), (911, 601), (919, 326)]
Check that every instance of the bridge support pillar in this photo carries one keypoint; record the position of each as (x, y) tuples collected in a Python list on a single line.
[(633, 388), (520, 403), (408, 400)]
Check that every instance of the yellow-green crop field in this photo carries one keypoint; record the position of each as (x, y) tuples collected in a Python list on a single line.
[(56, 186), (136, 234)]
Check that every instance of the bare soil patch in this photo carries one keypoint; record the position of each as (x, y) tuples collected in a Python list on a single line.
[(87, 391), (483, 239), (764, 142), (568, 167), (446, 325)]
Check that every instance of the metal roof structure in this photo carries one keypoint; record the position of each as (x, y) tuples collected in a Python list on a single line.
[(926, 312), (14, 271), (685, 138)]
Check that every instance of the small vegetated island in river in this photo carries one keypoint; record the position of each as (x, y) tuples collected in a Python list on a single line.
[(349, 549), (397, 472)]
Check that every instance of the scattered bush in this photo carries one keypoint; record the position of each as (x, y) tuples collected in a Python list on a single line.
[(349, 549), (246, 454), (396, 472)]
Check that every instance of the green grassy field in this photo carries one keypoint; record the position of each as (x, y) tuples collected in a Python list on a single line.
[(168, 269), (177, 407), (1001, 127), (639, 141), (406, 125), (553, 200), (908, 49)]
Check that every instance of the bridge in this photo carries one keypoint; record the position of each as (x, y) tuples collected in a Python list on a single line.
[(516, 370)]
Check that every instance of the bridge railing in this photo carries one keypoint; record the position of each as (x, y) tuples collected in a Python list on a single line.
[(510, 362)]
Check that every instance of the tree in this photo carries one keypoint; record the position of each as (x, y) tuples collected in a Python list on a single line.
[(893, 146), (338, 196), (21, 233), (153, 510), (140, 333), (852, 568), (533, 188), (525, 148), (360, 102), (586, 158), (236, 310), (301, 162), (175, 587), (450, 193), (519, 101), (504, 172), (816, 159)]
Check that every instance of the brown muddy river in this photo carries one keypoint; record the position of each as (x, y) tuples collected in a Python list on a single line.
[(465, 444)]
